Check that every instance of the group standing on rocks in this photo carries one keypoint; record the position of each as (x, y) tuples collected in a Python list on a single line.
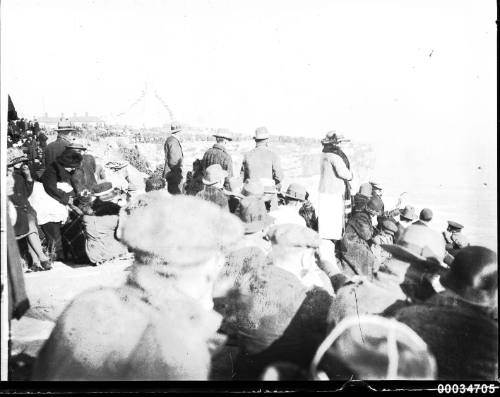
[(236, 277)]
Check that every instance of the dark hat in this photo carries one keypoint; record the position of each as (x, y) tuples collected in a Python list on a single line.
[(175, 128), (332, 137), (473, 275), (180, 230), (389, 226), (261, 133), (375, 204), (223, 133), (375, 347), (70, 159), (65, 126), (408, 213), (254, 215), (455, 225), (252, 187), (296, 192), (15, 156), (418, 243), (292, 235), (426, 215)]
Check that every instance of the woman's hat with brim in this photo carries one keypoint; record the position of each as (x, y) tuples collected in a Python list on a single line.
[(102, 189), (473, 276), (116, 165), (223, 133), (261, 134), (254, 215), (70, 159), (332, 137), (15, 156), (214, 174), (418, 243)]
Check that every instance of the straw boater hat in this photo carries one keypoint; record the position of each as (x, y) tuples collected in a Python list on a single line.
[(214, 174), (374, 347), (223, 133), (175, 128), (418, 243), (261, 134), (104, 191), (332, 137), (254, 215), (15, 156), (473, 276)]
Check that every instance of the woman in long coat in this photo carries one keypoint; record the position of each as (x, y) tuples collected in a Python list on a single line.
[(333, 187)]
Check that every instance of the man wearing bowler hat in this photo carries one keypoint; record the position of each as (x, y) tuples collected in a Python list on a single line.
[(425, 217), (262, 164), (218, 154), (172, 172), (54, 149)]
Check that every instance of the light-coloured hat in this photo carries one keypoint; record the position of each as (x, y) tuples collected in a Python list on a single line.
[(333, 137), (261, 133), (408, 213), (418, 243), (374, 347), (180, 230), (223, 133), (296, 191), (65, 126), (293, 235), (15, 156), (214, 174)]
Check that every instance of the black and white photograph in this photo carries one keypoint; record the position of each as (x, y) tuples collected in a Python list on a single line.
[(261, 195)]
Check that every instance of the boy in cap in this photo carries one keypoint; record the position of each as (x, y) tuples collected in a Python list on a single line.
[(218, 153), (160, 324), (459, 324), (294, 197), (280, 314), (264, 166), (212, 186)]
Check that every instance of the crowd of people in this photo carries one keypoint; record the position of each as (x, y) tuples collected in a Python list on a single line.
[(233, 263)]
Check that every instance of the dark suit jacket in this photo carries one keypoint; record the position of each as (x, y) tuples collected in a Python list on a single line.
[(53, 150), (173, 157), (53, 174)]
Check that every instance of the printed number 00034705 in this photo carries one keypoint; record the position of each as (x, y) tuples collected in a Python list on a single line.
[(462, 389)]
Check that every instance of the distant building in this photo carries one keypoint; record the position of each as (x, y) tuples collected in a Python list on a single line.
[(77, 121)]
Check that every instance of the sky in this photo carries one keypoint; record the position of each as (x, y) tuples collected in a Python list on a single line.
[(416, 76)]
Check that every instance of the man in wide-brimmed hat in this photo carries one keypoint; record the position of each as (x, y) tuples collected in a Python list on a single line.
[(294, 197), (54, 149), (460, 324), (172, 171), (159, 325), (406, 217), (263, 165), (334, 199), (218, 154), (280, 313), (57, 183), (212, 186)]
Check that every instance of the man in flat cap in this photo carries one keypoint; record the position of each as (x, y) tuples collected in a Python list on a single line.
[(454, 240), (281, 312), (172, 171), (264, 165), (160, 324), (218, 154), (54, 149)]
